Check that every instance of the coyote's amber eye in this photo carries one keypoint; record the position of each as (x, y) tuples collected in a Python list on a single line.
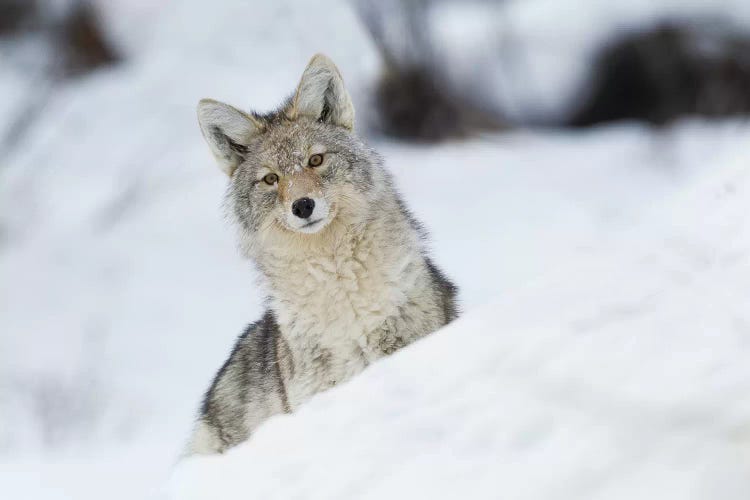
[(271, 179), (315, 160)]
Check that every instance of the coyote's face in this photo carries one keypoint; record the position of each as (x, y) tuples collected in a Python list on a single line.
[(298, 169), (297, 176)]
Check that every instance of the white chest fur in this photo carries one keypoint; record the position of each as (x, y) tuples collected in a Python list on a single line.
[(332, 302)]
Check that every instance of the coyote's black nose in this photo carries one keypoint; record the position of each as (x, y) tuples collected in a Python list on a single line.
[(303, 207)]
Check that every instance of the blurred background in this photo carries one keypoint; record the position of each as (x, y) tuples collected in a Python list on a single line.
[(524, 133)]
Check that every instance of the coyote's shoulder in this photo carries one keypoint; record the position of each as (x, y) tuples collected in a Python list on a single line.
[(344, 261)]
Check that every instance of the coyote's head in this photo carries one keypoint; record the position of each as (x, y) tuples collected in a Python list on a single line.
[(296, 170)]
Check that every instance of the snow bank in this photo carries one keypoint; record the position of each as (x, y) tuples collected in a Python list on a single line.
[(626, 377)]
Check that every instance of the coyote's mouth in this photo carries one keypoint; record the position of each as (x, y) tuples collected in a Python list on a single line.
[(312, 227), (312, 223)]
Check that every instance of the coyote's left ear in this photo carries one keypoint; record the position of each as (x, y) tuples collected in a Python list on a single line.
[(321, 94)]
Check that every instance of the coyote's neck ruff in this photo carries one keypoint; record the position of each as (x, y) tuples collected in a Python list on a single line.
[(350, 298), (343, 260)]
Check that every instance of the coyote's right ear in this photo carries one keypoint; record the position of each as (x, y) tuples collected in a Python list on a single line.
[(227, 131)]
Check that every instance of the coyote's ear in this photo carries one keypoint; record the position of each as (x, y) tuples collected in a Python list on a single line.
[(227, 131), (321, 94)]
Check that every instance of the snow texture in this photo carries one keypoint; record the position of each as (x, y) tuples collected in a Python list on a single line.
[(623, 377)]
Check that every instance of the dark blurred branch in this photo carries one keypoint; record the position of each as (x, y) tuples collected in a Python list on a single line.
[(676, 69), (413, 97), (16, 15), (75, 41), (83, 43)]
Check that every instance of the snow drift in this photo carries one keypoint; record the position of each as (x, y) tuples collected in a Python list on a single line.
[(625, 377)]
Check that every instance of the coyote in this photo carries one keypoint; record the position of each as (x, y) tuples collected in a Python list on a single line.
[(342, 258)]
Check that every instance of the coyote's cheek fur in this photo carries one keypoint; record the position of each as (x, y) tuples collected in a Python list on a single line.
[(347, 273)]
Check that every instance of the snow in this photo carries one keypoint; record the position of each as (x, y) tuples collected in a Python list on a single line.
[(604, 274), (623, 377)]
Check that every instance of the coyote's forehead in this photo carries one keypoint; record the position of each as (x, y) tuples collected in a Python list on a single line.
[(286, 148)]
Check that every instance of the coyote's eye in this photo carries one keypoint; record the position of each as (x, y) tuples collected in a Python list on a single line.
[(271, 179), (315, 160)]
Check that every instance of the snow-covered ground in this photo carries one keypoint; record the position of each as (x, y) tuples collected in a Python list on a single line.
[(624, 376), (604, 277)]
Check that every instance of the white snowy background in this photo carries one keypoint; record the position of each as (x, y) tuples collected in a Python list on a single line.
[(604, 350)]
